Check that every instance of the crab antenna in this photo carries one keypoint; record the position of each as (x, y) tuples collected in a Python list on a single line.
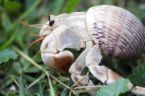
[(35, 41), (38, 26)]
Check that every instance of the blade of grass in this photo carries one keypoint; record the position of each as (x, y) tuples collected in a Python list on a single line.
[(7, 82), (14, 25), (21, 87), (71, 5), (9, 41), (40, 89), (52, 91), (28, 59), (37, 65), (29, 78), (60, 82), (37, 80), (34, 5), (58, 6), (13, 78)]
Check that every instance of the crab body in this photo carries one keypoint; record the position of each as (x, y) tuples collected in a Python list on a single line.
[(102, 30)]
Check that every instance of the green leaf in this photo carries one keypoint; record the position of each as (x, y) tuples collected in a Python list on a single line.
[(71, 5), (65, 91), (114, 89), (11, 93), (108, 2), (6, 55), (6, 22), (12, 6), (58, 6), (138, 76)]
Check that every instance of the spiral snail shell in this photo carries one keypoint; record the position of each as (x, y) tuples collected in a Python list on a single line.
[(118, 32)]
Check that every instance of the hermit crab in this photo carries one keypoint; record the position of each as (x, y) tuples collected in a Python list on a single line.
[(103, 30)]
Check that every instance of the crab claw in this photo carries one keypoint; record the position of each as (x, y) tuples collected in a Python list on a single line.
[(54, 55), (60, 61), (53, 47)]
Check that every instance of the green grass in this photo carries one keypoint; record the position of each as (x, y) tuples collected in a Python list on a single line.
[(21, 69)]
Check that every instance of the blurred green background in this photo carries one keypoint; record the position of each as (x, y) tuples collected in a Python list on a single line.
[(21, 69)]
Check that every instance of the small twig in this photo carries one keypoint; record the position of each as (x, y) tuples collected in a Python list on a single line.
[(70, 93), (87, 87), (84, 91), (14, 80), (60, 82)]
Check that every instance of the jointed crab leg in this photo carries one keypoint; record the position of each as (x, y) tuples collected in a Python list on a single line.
[(77, 68), (105, 74)]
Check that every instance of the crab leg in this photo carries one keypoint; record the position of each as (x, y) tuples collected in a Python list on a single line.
[(105, 74), (77, 68)]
